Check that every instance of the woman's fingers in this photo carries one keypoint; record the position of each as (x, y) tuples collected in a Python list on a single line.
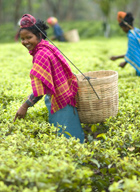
[(19, 116), (15, 117)]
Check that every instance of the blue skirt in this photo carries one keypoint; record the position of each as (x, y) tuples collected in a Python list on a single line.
[(67, 117)]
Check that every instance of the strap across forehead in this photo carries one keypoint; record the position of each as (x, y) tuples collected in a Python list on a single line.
[(27, 20)]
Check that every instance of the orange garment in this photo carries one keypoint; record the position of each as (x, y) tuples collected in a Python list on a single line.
[(121, 15)]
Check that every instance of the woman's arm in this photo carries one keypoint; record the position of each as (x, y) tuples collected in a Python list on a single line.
[(33, 100), (24, 107), (113, 58), (122, 64)]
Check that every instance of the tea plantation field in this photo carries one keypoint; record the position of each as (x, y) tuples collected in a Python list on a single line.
[(34, 159)]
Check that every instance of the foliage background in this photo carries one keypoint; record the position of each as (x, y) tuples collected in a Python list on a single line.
[(90, 17), (32, 157)]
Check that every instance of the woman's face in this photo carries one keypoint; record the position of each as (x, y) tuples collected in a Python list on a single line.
[(125, 29), (28, 39)]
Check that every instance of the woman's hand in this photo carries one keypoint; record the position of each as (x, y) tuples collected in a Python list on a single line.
[(122, 65), (21, 112), (113, 58)]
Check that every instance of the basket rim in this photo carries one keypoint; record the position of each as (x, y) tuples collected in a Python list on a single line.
[(107, 106), (115, 73)]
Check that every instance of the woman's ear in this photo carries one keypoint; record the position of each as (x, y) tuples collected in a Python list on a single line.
[(40, 36)]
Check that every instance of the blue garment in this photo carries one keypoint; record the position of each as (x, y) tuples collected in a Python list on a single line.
[(68, 116), (133, 52), (58, 32)]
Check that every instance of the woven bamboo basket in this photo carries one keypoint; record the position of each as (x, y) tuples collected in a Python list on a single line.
[(92, 109), (72, 35)]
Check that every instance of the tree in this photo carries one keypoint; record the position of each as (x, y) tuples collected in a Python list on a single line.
[(30, 6), (135, 10), (69, 14), (54, 6), (0, 11), (61, 9), (17, 11), (105, 6)]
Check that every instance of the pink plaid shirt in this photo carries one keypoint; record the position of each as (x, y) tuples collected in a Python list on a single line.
[(52, 75)]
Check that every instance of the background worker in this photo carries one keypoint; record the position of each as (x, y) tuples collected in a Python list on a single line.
[(132, 55), (58, 32)]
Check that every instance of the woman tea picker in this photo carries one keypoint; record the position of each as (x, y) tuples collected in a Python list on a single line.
[(57, 30), (50, 76), (132, 55)]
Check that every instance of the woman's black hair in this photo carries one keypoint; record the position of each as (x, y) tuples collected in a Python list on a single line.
[(128, 19), (34, 29)]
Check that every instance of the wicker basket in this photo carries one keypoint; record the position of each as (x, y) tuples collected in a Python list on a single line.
[(72, 36), (92, 109)]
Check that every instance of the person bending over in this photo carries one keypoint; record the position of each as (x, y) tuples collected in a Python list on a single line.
[(132, 55), (50, 76), (58, 32)]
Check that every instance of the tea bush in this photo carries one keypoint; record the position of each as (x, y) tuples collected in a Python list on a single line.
[(33, 158)]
